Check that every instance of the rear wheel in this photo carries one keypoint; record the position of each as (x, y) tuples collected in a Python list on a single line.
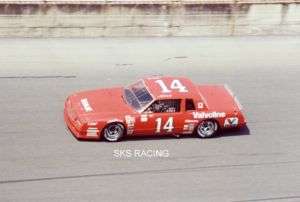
[(207, 128), (113, 132)]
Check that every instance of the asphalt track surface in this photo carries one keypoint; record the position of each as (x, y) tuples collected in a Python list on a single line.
[(41, 161)]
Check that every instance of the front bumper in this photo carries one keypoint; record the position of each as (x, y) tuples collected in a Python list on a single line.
[(81, 135)]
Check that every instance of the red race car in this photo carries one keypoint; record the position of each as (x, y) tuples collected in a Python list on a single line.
[(153, 105)]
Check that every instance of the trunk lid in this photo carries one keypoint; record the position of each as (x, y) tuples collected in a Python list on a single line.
[(218, 98)]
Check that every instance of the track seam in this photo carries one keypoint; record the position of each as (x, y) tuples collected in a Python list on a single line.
[(144, 172), (270, 199)]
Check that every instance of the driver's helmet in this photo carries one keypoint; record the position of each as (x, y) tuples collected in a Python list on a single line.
[(159, 106)]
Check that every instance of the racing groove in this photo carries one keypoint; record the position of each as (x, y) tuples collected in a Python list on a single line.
[(40, 160)]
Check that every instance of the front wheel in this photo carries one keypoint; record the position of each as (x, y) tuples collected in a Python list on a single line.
[(113, 132), (207, 128)]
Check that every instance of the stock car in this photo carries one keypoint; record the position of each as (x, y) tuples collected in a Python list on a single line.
[(158, 105)]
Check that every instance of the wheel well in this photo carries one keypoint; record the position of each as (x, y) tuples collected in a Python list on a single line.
[(216, 121)]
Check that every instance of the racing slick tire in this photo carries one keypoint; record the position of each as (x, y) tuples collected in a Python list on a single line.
[(207, 128), (113, 132)]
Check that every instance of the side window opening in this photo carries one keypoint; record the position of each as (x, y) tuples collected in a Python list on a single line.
[(189, 104), (161, 106)]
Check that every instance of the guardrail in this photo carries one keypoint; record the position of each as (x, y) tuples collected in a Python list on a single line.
[(46, 19), (141, 2)]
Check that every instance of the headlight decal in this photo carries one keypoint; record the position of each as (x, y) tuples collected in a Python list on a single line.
[(92, 132)]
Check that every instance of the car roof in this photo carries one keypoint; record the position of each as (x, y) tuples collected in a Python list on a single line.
[(156, 89)]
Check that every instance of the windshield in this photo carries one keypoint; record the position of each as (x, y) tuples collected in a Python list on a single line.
[(137, 95)]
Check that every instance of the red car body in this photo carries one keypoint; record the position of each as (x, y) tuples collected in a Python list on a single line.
[(153, 106)]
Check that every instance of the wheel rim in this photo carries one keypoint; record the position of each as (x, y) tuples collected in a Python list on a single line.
[(113, 132), (206, 128)]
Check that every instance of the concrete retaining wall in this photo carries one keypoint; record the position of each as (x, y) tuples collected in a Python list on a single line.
[(94, 20)]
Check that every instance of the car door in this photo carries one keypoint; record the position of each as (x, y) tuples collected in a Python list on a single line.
[(160, 118)]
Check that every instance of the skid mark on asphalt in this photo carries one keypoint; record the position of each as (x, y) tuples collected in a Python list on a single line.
[(160, 171), (124, 64), (270, 199), (176, 57), (39, 77)]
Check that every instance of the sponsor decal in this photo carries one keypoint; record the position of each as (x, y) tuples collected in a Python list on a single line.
[(114, 120), (130, 121), (200, 105), (191, 121), (205, 115), (231, 122), (188, 128), (144, 118), (86, 105)]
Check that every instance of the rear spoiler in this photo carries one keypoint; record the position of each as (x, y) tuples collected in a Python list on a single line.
[(233, 96)]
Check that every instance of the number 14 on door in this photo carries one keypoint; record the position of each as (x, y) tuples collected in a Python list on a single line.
[(167, 127)]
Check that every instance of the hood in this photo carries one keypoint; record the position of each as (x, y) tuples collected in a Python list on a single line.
[(104, 102)]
